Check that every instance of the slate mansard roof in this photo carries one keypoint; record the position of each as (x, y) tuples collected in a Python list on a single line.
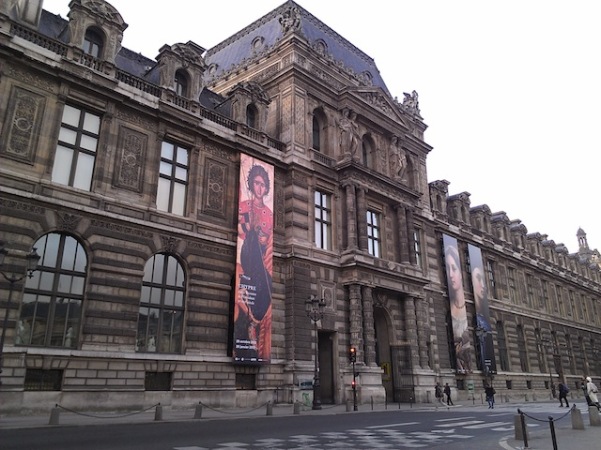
[(240, 49)]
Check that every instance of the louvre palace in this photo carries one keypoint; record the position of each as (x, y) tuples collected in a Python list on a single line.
[(251, 223)]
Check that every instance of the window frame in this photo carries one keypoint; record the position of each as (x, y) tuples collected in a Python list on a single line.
[(374, 235), (166, 194), (323, 220)]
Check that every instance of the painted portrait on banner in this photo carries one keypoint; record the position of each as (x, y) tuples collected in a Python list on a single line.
[(482, 319), (254, 268), (461, 331)]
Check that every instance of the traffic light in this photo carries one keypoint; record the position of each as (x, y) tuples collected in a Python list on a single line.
[(353, 385), (352, 354)]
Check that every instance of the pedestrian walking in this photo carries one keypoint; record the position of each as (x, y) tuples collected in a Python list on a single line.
[(592, 391), (438, 393), (490, 392), (447, 393), (583, 387), (563, 394)]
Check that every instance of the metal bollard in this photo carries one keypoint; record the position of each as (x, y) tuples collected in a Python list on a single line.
[(349, 406), (553, 437), (54, 416), (521, 431), (158, 413), (269, 409), (297, 407), (198, 411)]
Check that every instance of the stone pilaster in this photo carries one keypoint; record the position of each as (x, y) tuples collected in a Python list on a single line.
[(356, 327), (369, 332)]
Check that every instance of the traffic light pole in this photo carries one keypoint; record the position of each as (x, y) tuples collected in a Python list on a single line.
[(353, 360), (354, 388)]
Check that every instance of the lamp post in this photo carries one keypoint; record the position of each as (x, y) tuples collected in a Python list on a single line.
[(314, 308), (32, 259)]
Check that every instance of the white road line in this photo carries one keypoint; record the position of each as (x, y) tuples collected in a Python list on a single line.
[(454, 419), (461, 424), (486, 425), (392, 425)]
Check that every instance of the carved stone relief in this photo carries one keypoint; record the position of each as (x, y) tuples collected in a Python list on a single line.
[(23, 123), (130, 159), (215, 189)]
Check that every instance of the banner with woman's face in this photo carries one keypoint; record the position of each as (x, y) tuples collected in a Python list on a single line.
[(254, 262)]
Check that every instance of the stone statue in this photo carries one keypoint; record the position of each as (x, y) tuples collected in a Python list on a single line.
[(349, 133), (411, 103), (398, 158)]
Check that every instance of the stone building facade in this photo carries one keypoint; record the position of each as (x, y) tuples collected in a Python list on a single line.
[(123, 173)]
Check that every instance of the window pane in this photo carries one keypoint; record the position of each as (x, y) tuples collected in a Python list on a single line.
[(163, 194), (64, 283), (179, 199), (169, 297), (157, 274), (77, 285), (62, 165), (81, 261), (91, 123), (83, 173), (50, 250), (88, 143), (181, 173), (182, 156), (167, 151), (71, 116), (67, 136), (171, 271), (40, 320), (179, 299), (69, 254), (165, 168), (145, 294), (46, 281)]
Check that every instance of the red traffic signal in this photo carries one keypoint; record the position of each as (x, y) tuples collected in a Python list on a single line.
[(352, 354)]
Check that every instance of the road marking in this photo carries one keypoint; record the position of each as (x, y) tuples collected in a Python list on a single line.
[(455, 419), (486, 425), (459, 424), (404, 424)]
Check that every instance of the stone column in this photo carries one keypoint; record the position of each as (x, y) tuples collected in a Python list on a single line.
[(355, 326), (402, 239), (351, 217), (411, 330), (369, 331), (362, 219), (423, 331)]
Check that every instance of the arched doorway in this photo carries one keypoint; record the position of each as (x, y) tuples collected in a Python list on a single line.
[(383, 351)]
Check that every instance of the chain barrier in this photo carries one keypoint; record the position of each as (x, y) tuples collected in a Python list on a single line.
[(547, 419), (114, 416)]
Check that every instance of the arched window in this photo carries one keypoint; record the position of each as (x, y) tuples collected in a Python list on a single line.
[(316, 134), (251, 116), (161, 316), (93, 43), (52, 302), (367, 151), (181, 83)]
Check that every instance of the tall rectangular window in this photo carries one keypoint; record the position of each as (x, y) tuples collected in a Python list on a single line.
[(511, 284), (323, 220), (374, 244), (558, 307), (173, 179), (502, 344), (523, 352), (76, 150), (417, 247), (544, 298), (492, 284), (529, 291)]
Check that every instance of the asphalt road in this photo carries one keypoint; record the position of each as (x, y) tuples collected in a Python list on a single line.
[(451, 430)]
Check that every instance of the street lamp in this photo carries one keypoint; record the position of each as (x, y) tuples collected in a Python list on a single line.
[(31, 259), (314, 308)]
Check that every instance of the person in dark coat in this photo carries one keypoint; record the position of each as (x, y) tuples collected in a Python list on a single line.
[(490, 392), (563, 394), (447, 393)]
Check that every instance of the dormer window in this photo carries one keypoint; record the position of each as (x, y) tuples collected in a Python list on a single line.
[(93, 43), (181, 83), (251, 116)]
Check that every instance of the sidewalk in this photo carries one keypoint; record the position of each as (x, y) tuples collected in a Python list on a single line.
[(539, 437)]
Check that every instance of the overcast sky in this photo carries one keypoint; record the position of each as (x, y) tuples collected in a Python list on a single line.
[(510, 90)]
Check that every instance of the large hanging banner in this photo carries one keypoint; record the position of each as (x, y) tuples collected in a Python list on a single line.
[(461, 333), (254, 268), (482, 321)]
